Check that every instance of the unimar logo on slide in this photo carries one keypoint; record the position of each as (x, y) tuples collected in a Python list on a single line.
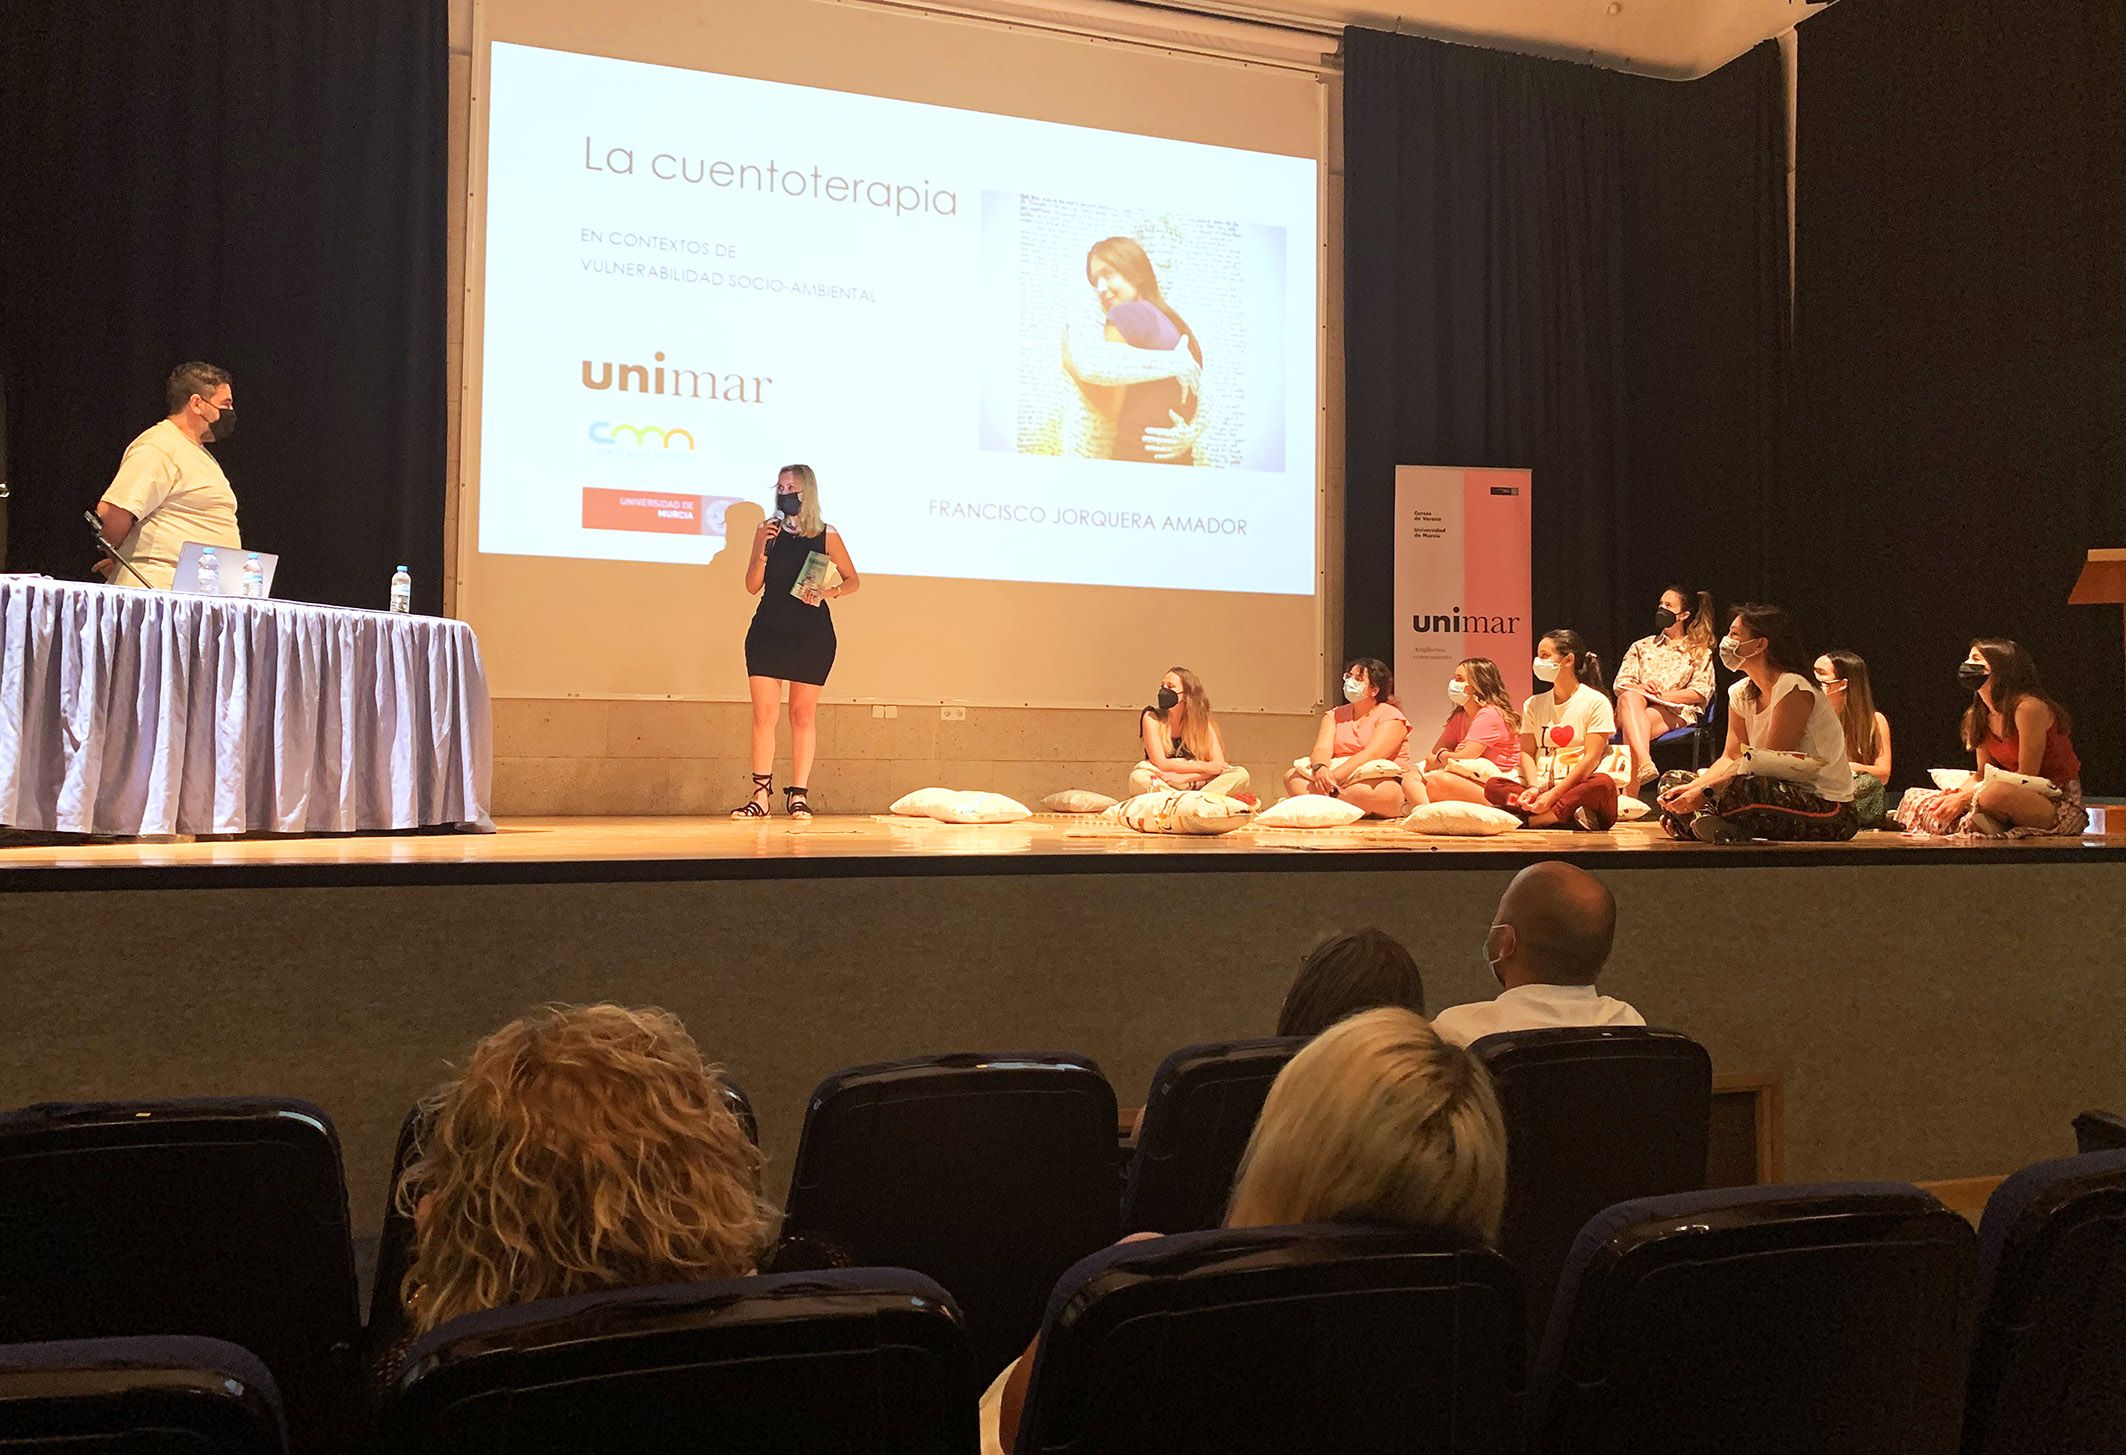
[(640, 436)]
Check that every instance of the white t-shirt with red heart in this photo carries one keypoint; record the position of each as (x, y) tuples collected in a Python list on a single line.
[(1561, 729)]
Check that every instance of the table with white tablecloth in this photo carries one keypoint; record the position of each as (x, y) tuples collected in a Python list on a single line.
[(129, 712)]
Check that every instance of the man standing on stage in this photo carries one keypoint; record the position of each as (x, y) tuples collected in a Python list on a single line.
[(168, 489)]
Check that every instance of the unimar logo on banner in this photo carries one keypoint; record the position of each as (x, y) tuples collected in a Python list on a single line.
[(1461, 580)]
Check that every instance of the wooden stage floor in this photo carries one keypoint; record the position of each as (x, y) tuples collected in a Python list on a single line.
[(589, 849)]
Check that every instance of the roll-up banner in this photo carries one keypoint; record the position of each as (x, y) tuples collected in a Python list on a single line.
[(1461, 583)]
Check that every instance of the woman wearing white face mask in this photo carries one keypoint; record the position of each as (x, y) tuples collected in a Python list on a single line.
[(1844, 679), (1480, 741), (1565, 734), (1368, 730), (1784, 774)]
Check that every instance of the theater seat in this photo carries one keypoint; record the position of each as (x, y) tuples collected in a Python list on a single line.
[(2100, 1131), (1279, 1340), (989, 1173), (225, 1218), (1198, 1117), (1594, 1116), (139, 1396), (867, 1359), (2049, 1373), (1832, 1319)]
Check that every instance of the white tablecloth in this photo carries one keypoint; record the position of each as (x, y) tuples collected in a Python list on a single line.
[(133, 712)]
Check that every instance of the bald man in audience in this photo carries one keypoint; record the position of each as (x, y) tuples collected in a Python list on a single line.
[(1549, 940)]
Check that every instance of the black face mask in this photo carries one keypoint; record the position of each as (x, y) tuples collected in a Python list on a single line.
[(789, 505), (1663, 618), (224, 425), (1973, 675), (1168, 697)]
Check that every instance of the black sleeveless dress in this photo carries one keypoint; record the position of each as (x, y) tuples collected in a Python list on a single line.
[(789, 639)]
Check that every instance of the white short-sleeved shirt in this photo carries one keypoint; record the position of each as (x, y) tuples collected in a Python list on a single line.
[(1533, 1008), (1561, 729), (1823, 738), (176, 493)]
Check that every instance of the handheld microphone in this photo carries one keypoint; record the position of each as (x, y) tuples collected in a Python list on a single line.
[(96, 530)]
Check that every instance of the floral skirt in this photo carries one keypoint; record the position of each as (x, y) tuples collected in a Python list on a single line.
[(1926, 811), (1767, 808)]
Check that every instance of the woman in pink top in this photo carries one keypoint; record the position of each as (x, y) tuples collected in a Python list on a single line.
[(1481, 739), (1370, 727)]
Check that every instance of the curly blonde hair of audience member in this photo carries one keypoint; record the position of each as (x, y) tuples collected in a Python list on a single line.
[(1377, 1119), (582, 1148)]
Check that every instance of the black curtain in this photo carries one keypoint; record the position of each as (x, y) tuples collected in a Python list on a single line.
[(1961, 350), (1577, 272), (259, 184)]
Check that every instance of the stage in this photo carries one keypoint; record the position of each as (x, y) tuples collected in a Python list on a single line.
[(1931, 1009)]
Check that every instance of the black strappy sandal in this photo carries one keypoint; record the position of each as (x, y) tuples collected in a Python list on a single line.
[(795, 803), (763, 783)]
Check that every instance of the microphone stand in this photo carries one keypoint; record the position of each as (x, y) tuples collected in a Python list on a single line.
[(96, 530)]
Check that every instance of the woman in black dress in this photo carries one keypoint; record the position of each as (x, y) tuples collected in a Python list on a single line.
[(792, 636)]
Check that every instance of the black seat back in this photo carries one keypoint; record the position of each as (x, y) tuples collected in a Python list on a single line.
[(2048, 1375), (2100, 1131), (989, 1173), (137, 1396), (225, 1218), (1273, 1340), (1198, 1117), (1762, 1321), (866, 1359), (1594, 1116)]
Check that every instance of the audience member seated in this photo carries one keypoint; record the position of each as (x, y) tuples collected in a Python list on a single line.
[(1844, 679), (582, 1148), (1481, 739), (1182, 746), (1376, 1120), (1369, 728), (2011, 726), (1549, 939), (1784, 773), (1350, 971), (1565, 737), (1666, 680)]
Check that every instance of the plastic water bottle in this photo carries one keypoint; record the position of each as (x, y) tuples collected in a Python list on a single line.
[(254, 576), (209, 572), (402, 590)]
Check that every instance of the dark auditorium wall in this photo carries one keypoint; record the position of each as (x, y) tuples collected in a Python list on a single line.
[(257, 183), (1579, 272), (1960, 349)]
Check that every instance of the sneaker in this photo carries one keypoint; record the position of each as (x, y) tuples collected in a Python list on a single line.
[(1589, 821), (1710, 828)]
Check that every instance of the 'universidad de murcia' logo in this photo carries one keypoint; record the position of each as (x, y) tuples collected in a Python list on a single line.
[(640, 436)]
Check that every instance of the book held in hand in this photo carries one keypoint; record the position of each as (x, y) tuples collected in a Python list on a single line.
[(817, 572)]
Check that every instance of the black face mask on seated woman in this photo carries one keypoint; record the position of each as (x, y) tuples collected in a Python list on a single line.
[(1972, 675), (1663, 618), (1167, 698)]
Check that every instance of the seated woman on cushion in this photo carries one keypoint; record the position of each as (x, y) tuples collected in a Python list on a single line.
[(2011, 726), (1566, 730), (1376, 1120), (1182, 745), (1480, 740), (1369, 730), (1843, 676)]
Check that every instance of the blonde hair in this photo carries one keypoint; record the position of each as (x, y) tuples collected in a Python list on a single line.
[(1377, 1118), (582, 1148), (809, 521), (1196, 721)]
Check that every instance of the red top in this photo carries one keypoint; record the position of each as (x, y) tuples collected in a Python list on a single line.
[(2060, 765)]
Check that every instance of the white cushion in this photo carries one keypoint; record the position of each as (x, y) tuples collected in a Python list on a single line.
[(980, 808), (1951, 779), (1077, 800), (1176, 812), (921, 803), (1377, 770), (1310, 811), (1463, 820), (1631, 810), (1995, 773)]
